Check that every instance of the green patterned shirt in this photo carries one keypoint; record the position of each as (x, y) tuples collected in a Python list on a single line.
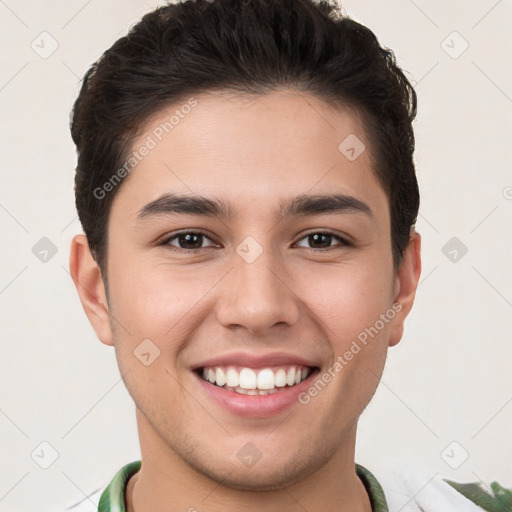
[(113, 497)]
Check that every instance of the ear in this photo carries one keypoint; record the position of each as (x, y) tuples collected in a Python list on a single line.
[(405, 285), (89, 284)]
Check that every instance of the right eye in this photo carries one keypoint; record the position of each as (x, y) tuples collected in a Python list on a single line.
[(187, 241)]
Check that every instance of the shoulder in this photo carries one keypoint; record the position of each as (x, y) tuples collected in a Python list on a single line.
[(411, 489), (110, 497)]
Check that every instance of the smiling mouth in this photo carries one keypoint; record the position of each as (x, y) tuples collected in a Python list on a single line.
[(251, 381)]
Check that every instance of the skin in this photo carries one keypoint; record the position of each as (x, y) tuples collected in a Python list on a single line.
[(297, 297)]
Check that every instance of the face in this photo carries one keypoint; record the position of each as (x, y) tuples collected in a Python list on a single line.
[(284, 274)]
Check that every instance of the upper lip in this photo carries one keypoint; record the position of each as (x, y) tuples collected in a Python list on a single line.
[(255, 360)]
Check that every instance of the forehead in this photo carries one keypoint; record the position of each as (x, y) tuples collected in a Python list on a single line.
[(253, 149)]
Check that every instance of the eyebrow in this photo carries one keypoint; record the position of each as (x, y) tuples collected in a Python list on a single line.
[(302, 205)]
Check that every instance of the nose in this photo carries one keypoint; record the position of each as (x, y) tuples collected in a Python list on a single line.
[(258, 295)]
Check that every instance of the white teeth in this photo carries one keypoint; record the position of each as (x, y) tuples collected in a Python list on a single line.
[(253, 382), (220, 378), (248, 379), (290, 377), (280, 379), (266, 379), (232, 379)]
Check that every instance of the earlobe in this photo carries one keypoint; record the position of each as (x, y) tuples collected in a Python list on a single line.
[(87, 278), (406, 283)]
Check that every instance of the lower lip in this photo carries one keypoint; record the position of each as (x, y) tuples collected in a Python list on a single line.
[(256, 406)]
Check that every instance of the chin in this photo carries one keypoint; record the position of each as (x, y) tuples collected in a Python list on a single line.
[(256, 483), (262, 477)]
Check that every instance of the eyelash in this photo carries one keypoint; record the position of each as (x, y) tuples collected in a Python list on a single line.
[(168, 239)]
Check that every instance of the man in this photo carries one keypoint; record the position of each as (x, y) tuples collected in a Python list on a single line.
[(247, 190)]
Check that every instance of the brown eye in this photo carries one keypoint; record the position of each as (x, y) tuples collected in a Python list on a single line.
[(323, 240), (187, 240)]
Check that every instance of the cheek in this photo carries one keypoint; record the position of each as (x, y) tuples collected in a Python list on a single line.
[(157, 301), (349, 299), (155, 307), (351, 312)]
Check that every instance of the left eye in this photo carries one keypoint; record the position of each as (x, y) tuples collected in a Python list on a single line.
[(322, 238)]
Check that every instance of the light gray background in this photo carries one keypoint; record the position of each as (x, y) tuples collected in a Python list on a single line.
[(449, 379)]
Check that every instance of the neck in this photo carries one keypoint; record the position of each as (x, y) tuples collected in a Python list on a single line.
[(167, 483)]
